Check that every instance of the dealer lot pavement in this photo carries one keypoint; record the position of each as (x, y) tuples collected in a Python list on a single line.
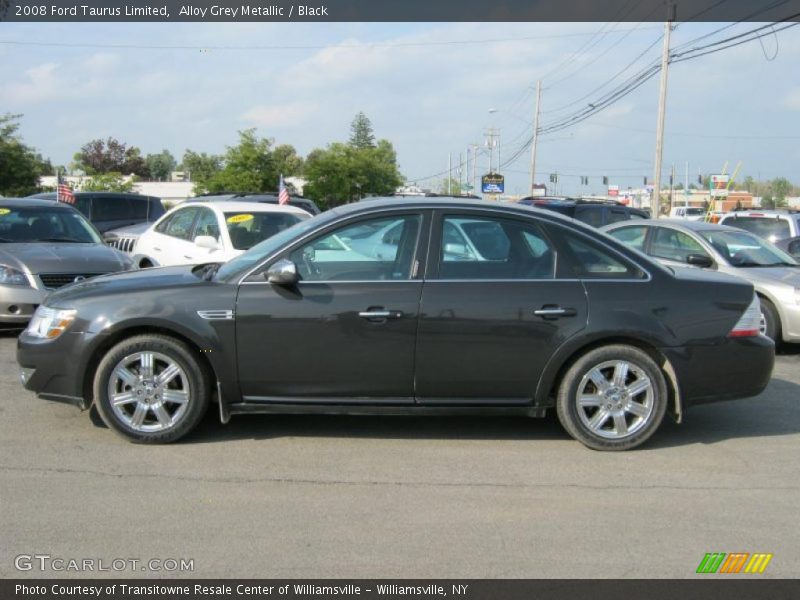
[(314, 496)]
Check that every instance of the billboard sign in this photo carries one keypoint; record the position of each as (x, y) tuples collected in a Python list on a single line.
[(493, 183)]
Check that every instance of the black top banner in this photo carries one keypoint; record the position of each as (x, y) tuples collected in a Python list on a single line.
[(402, 10)]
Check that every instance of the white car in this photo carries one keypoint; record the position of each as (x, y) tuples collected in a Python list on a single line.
[(690, 213), (204, 232)]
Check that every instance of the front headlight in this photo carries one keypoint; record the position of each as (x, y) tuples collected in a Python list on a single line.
[(50, 323), (12, 276)]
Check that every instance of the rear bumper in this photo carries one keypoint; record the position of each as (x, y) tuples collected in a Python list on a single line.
[(734, 368)]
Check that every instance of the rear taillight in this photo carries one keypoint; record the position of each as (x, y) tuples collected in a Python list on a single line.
[(749, 325)]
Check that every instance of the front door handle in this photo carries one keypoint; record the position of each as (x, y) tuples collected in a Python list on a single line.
[(380, 314), (553, 312)]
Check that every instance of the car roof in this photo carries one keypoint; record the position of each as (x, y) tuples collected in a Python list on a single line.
[(134, 195), (675, 224), (762, 213), (236, 206), (29, 202)]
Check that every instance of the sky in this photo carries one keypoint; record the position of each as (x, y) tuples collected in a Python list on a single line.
[(432, 89)]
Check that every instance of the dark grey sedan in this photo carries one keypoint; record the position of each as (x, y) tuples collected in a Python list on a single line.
[(43, 246), (542, 313)]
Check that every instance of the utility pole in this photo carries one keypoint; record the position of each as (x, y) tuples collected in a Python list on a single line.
[(492, 135), (474, 180), (535, 134), (449, 173), (662, 106)]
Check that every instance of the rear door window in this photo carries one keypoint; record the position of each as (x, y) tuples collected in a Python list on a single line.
[(109, 208), (589, 214), (633, 236), (769, 228)]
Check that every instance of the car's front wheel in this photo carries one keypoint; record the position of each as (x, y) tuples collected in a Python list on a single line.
[(151, 389), (612, 398)]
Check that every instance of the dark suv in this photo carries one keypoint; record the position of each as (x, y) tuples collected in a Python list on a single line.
[(110, 210), (271, 197), (592, 212)]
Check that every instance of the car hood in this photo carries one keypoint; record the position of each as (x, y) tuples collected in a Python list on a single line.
[(772, 275), (127, 283), (130, 230), (43, 257)]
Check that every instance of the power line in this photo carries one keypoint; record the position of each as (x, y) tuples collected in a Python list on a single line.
[(361, 46)]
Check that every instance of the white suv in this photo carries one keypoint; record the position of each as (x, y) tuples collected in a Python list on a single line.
[(772, 225), (204, 232)]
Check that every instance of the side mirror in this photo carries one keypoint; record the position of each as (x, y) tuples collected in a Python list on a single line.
[(699, 260), (457, 249), (283, 272), (206, 241)]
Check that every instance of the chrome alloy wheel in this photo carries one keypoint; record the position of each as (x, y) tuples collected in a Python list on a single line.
[(148, 391), (615, 399), (762, 324)]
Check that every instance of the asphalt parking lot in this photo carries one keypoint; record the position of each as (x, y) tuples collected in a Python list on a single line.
[(299, 496)]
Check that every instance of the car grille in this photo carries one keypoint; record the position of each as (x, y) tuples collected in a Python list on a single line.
[(57, 280), (125, 244)]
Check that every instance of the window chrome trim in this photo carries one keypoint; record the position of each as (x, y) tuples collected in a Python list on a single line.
[(436, 206)]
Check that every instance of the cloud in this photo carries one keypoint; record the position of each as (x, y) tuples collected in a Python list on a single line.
[(101, 62), (277, 116), (792, 99), (41, 83)]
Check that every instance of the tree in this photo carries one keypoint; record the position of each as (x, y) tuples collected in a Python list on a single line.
[(20, 165), (161, 165), (108, 182), (781, 188), (361, 135), (253, 165), (201, 167), (455, 187), (342, 173), (110, 156)]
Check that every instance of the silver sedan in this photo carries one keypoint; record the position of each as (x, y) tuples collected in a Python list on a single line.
[(680, 243)]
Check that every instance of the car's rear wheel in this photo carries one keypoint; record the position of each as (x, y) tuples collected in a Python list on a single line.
[(151, 389), (612, 398), (770, 322)]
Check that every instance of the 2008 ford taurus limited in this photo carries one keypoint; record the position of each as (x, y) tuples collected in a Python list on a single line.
[(433, 306)]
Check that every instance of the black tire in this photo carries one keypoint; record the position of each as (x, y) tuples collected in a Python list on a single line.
[(772, 322), (149, 417), (621, 428)]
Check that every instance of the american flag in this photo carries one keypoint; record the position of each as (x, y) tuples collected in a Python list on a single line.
[(283, 193), (63, 191)]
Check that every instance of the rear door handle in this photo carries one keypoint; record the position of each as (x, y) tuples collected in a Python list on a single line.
[(554, 312), (380, 314)]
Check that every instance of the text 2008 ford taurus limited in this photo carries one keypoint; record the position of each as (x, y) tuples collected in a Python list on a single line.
[(396, 306)]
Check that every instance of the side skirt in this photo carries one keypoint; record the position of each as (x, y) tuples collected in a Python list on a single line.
[(266, 408)]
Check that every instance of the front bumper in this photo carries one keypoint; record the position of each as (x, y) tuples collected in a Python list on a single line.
[(734, 368), (790, 321), (55, 369), (17, 303)]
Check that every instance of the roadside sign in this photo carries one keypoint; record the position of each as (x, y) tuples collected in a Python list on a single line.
[(493, 183), (613, 191), (719, 186)]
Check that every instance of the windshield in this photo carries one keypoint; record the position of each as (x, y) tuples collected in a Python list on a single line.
[(45, 224), (241, 264), (746, 250), (247, 229)]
